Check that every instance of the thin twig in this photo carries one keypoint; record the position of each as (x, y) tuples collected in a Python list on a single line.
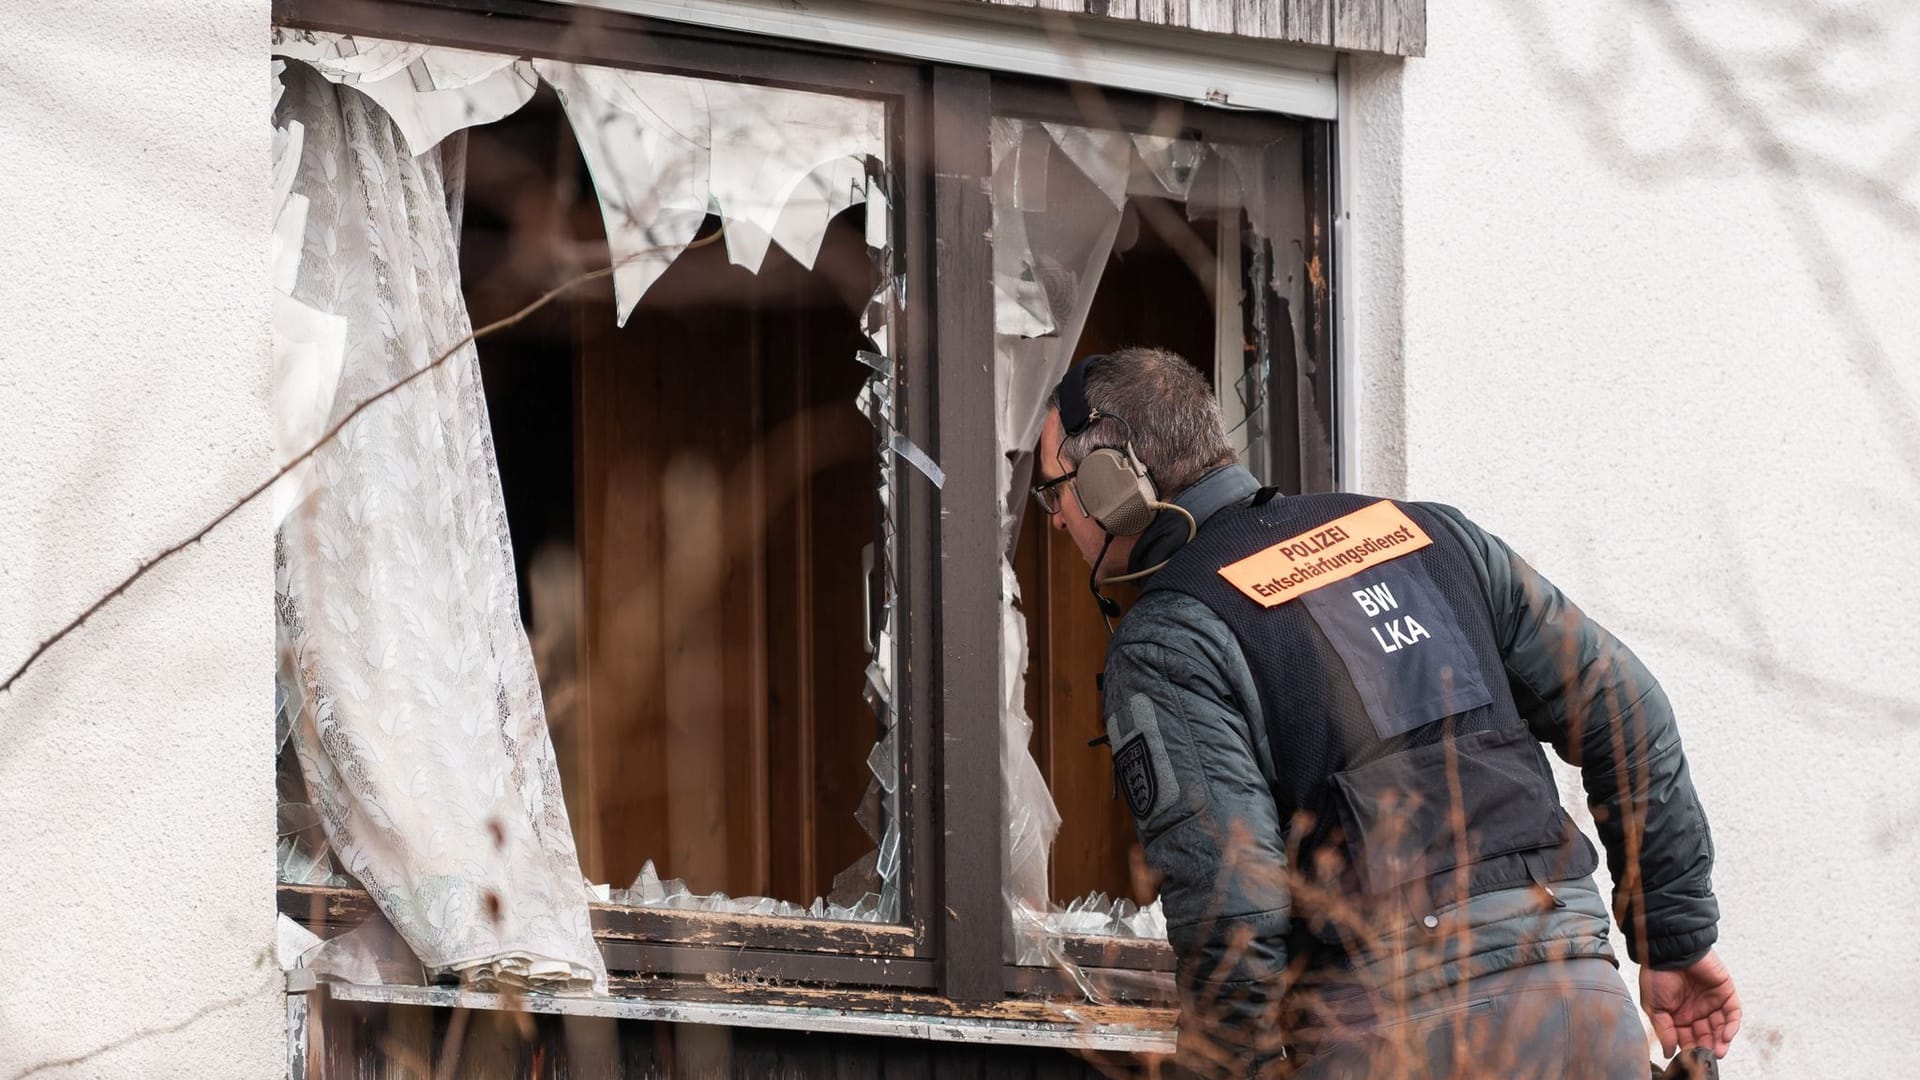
[(169, 552), (144, 1034)]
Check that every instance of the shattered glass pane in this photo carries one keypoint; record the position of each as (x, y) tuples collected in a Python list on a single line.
[(1166, 166), (666, 153), (869, 814), (665, 150), (1062, 197), (876, 403), (884, 763), (429, 90)]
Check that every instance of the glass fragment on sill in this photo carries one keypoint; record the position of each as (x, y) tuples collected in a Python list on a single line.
[(430, 91), (1036, 944), (370, 954), (1098, 915), (292, 943), (665, 150), (649, 891)]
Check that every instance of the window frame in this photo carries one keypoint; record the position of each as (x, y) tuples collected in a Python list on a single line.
[(1052, 102), (950, 950), (638, 939)]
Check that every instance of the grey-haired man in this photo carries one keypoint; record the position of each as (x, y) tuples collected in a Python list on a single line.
[(1326, 714)]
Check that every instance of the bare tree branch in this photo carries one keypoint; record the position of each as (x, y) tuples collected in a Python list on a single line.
[(142, 1035), (265, 485)]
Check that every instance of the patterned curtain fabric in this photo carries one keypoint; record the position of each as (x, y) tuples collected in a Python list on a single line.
[(416, 714)]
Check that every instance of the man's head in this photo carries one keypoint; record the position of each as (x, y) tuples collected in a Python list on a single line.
[(1153, 400)]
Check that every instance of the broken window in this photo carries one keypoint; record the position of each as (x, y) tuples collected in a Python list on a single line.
[(724, 549), (698, 456), (693, 488), (1105, 238)]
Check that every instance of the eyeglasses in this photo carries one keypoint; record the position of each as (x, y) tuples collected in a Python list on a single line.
[(1047, 493)]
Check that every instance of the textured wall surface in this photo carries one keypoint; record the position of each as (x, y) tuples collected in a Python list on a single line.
[(1639, 292), (136, 793)]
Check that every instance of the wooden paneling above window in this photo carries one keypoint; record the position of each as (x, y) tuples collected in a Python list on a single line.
[(1394, 27)]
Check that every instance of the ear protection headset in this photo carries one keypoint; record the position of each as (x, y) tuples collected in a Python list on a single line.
[(1114, 487)]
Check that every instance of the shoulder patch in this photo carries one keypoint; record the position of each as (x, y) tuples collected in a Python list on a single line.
[(1133, 771), (1141, 767)]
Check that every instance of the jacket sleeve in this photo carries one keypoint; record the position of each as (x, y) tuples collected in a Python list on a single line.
[(1185, 760), (1587, 694)]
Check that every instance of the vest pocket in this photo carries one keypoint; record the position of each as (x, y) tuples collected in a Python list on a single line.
[(1425, 813)]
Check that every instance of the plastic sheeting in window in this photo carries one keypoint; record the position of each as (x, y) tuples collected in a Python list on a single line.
[(775, 165), (1060, 193), (665, 150)]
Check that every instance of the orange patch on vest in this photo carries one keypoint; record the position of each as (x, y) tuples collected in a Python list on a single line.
[(1328, 553)]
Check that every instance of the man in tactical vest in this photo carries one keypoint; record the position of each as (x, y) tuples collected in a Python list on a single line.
[(1326, 714)]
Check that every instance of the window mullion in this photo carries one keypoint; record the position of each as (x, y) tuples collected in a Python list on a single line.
[(973, 917)]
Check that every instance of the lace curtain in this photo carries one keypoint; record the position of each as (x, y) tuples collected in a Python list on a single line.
[(416, 714)]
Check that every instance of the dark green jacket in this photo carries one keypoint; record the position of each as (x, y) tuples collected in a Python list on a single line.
[(1220, 845)]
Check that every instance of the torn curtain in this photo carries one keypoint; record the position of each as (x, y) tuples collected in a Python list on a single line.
[(420, 727)]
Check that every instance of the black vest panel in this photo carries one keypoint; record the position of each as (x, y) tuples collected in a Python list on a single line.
[(1403, 770)]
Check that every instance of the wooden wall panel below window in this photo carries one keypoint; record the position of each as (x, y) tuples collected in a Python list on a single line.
[(352, 1040)]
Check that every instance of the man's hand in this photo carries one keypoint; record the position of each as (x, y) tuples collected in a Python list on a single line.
[(1694, 1006)]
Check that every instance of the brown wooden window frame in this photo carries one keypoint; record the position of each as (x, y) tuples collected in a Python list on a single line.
[(949, 953)]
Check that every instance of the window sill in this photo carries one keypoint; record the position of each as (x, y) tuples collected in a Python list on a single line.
[(318, 906), (698, 959), (1114, 1029)]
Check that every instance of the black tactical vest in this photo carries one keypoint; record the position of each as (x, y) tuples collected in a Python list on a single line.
[(1405, 776)]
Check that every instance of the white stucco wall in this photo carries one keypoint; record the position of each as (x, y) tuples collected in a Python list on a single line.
[(136, 792), (1637, 293), (1640, 293)]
